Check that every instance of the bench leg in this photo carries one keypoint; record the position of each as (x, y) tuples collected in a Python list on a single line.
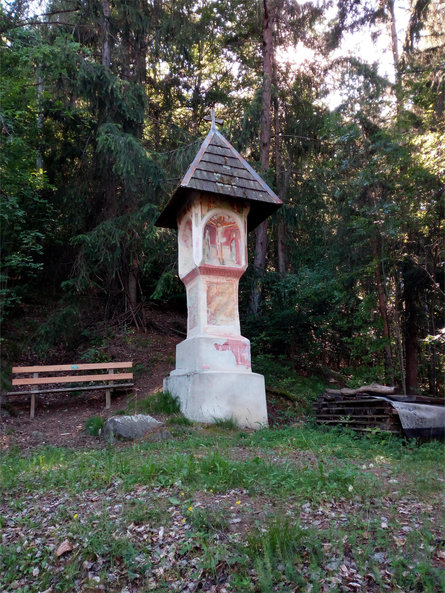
[(32, 409), (108, 393)]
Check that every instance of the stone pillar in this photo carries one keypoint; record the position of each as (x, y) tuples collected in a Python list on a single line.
[(213, 377)]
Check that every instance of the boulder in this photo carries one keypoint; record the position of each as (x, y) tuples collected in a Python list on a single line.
[(134, 427)]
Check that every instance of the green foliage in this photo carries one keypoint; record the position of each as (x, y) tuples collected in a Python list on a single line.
[(209, 520), (195, 489), (25, 213), (226, 424), (62, 327), (274, 550), (179, 420), (94, 425), (159, 403)]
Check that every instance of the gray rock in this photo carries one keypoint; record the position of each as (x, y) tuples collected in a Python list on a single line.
[(38, 436), (132, 427), (380, 557)]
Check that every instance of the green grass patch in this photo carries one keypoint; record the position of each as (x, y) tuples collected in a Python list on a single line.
[(274, 510), (94, 425), (159, 403)]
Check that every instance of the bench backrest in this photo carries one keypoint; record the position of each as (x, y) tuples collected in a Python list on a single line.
[(44, 375)]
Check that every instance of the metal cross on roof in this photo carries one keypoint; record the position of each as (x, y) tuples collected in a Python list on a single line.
[(213, 119)]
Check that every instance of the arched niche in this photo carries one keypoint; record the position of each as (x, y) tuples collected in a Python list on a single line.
[(221, 242)]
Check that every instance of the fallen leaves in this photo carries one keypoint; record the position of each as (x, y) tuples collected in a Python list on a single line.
[(65, 547)]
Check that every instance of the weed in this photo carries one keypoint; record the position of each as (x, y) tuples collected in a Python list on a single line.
[(94, 425), (276, 549), (95, 354), (179, 420), (159, 403), (344, 480), (140, 369), (209, 519), (226, 423)]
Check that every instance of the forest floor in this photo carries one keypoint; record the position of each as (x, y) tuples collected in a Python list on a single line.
[(214, 509), (60, 419)]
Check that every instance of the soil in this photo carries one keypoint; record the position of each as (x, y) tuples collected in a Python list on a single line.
[(60, 418)]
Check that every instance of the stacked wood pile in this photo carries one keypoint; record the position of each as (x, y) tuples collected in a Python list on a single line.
[(358, 409)]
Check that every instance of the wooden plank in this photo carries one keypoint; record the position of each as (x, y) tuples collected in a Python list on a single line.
[(73, 367), (224, 169), (221, 188), (70, 379), (355, 411), (219, 150), (220, 160), (353, 418), (66, 389), (351, 421), (227, 178)]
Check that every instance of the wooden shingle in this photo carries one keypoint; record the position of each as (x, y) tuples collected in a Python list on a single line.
[(219, 169)]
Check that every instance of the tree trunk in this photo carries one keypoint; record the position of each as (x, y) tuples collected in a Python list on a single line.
[(394, 46), (398, 325), (383, 308), (411, 346), (395, 52), (280, 178), (410, 294), (132, 287), (106, 47), (259, 262)]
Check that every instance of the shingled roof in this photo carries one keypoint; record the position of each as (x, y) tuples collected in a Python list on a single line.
[(219, 169)]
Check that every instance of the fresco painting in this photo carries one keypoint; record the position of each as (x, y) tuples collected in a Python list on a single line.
[(220, 303), (239, 349), (186, 251), (192, 307), (222, 241)]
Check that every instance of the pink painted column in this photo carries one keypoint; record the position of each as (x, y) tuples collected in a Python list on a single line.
[(213, 378), (212, 242)]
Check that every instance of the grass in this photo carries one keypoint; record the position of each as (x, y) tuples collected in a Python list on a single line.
[(159, 403), (94, 425), (276, 510)]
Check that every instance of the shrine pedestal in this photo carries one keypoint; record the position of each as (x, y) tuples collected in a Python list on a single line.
[(219, 199), (206, 396)]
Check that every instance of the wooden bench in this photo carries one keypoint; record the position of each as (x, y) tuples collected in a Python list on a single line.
[(43, 379)]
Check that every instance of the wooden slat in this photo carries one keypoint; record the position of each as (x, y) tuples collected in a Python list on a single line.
[(220, 160), (229, 190), (353, 421), (224, 169), (219, 150), (66, 389), (71, 379), (350, 418), (227, 178), (72, 367)]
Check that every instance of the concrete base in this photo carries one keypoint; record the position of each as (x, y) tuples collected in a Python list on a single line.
[(213, 353), (207, 396)]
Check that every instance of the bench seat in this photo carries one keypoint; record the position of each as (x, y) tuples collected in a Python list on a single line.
[(78, 377)]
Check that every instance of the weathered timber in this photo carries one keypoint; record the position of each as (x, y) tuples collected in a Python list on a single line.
[(35, 380), (377, 406), (220, 170), (358, 410)]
